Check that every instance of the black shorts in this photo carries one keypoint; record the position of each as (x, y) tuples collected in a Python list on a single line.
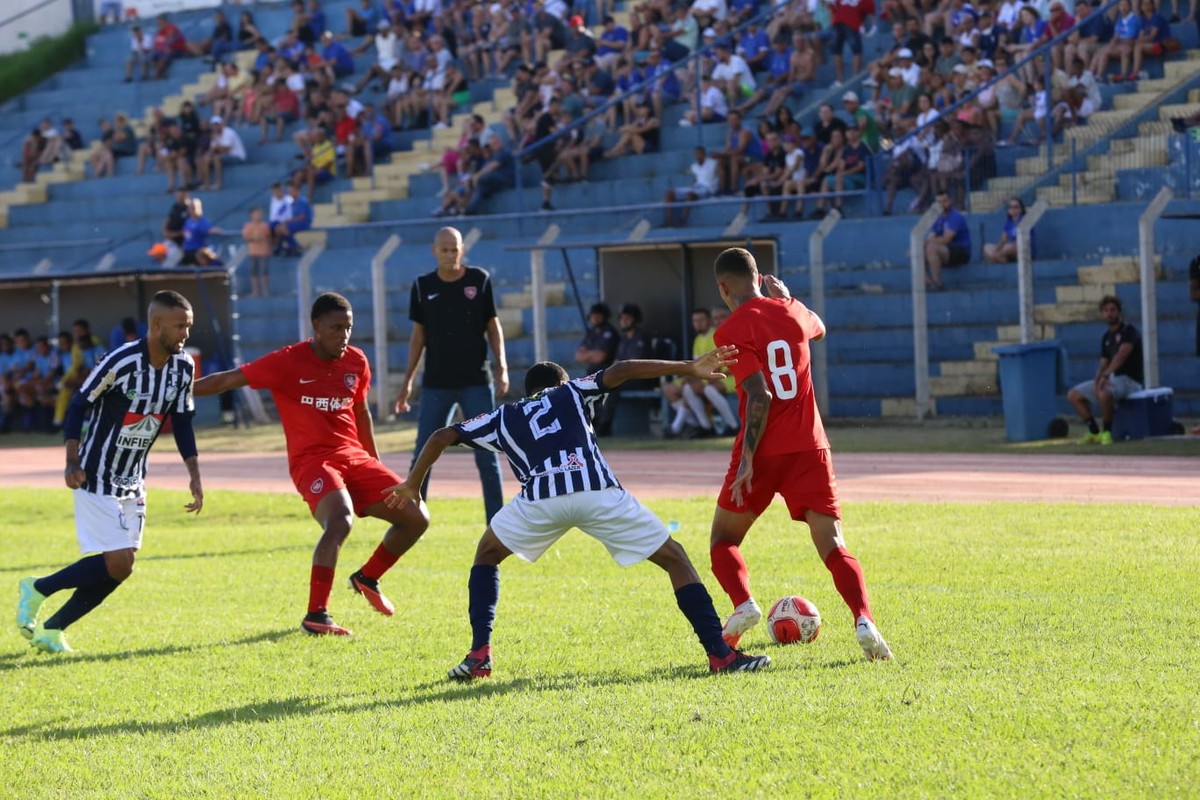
[(842, 35), (958, 256)]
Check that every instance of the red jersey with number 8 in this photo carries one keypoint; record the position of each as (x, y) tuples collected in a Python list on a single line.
[(772, 337)]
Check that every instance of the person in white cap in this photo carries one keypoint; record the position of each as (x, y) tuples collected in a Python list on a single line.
[(223, 141)]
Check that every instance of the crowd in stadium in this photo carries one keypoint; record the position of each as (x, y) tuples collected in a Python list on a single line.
[(427, 55)]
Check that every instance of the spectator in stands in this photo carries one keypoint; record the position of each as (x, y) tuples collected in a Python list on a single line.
[(599, 345), (580, 42), (499, 172), (731, 74), (740, 151), (377, 133), (663, 87), (1036, 111), (1005, 250), (848, 18), (52, 147), (714, 107), (1126, 32), (1085, 41), (177, 215), (322, 163), (862, 118), (279, 210), (769, 178), (115, 140), (548, 33), (70, 134), (612, 43), (639, 135), (281, 107), (149, 148), (168, 44), (1080, 98), (300, 218), (632, 343), (224, 142), (256, 233), (848, 173), (196, 230), (141, 50), (387, 53), (109, 12), (948, 243), (705, 182), (453, 92), (795, 176), (31, 154), (337, 61), (1154, 38), (362, 21), (219, 42), (1118, 375), (457, 194), (248, 34), (86, 352)]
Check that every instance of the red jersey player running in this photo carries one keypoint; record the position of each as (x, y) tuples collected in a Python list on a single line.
[(781, 447), (320, 388)]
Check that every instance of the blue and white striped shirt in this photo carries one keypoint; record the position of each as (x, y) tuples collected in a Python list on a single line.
[(548, 439), (126, 401)]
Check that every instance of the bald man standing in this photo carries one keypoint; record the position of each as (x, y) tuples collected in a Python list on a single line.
[(453, 313)]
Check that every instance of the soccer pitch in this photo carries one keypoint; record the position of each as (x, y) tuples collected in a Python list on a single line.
[(1042, 651)]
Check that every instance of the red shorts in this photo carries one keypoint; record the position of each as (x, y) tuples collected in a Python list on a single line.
[(805, 480), (364, 477)]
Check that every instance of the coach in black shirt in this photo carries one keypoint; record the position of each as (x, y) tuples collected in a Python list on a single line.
[(454, 320), (631, 344)]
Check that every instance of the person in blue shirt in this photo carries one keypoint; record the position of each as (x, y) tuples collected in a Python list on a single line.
[(948, 243), (499, 172), (336, 56), (611, 43), (301, 219), (362, 21), (1005, 250), (1126, 31), (550, 443), (127, 330), (316, 20), (1152, 37), (195, 233), (755, 47), (375, 127)]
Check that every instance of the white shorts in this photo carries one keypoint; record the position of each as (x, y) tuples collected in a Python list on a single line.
[(627, 528), (1121, 387), (105, 523)]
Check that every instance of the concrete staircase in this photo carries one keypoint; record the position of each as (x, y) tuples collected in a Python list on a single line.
[(979, 377), (1097, 184)]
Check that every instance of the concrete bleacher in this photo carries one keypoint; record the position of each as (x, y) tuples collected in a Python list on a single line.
[(868, 280)]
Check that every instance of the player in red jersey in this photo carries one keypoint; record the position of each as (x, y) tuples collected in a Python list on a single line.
[(781, 448), (320, 389)]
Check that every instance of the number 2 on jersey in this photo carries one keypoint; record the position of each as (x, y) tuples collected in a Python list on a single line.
[(539, 409), (783, 371)]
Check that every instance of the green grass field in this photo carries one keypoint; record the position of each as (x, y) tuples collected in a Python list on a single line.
[(1042, 651)]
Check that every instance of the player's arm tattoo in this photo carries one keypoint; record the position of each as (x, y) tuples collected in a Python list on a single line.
[(758, 405)]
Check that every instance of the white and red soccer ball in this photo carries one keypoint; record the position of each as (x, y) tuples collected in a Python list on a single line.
[(793, 619)]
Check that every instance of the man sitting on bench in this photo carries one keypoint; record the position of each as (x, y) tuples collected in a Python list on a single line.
[(633, 344)]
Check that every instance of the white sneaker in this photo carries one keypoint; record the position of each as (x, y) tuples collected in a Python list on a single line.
[(871, 641), (743, 618)]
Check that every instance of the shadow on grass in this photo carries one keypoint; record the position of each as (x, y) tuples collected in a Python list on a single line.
[(284, 708), (34, 660), (33, 569)]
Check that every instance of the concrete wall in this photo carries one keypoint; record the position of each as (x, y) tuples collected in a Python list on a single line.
[(53, 19)]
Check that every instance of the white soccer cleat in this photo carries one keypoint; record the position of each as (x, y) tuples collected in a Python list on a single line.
[(871, 641), (743, 618)]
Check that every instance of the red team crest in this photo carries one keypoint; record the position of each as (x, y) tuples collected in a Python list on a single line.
[(470, 292)]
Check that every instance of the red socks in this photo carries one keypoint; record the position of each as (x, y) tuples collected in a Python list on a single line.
[(319, 587), (848, 578), (380, 562), (730, 570)]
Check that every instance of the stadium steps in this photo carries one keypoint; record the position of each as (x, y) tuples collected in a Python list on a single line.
[(1098, 182)]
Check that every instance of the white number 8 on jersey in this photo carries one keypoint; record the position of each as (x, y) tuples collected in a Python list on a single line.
[(783, 371)]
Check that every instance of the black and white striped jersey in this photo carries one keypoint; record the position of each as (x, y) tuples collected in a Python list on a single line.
[(126, 401), (548, 439)]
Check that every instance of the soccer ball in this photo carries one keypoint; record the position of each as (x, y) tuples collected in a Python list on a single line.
[(793, 619)]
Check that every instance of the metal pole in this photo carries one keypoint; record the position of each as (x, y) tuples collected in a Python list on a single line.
[(816, 269), (1025, 267), (379, 309), (55, 308), (916, 255), (1048, 86), (1149, 305), (537, 287), (1074, 177), (240, 254), (304, 289)]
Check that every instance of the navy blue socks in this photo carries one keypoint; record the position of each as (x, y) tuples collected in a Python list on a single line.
[(696, 604), (484, 589)]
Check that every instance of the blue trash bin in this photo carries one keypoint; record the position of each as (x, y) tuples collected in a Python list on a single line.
[(1032, 377)]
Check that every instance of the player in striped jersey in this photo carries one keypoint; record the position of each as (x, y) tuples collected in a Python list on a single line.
[(550, 442), (111, 424)]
